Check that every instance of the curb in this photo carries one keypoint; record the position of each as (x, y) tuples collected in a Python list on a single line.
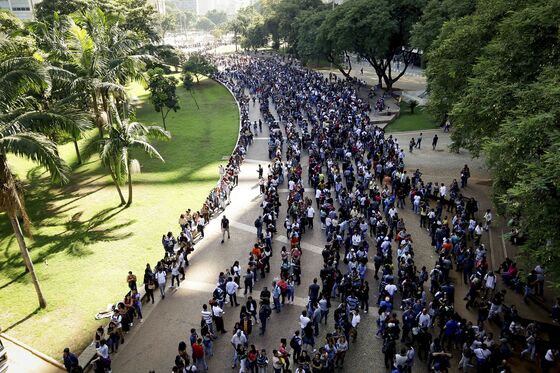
[(35, 352)]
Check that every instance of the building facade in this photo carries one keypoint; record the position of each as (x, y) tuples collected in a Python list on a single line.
[(23, 9)]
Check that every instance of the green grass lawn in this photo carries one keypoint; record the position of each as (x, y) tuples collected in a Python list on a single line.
[(83, 243), (406, 121)]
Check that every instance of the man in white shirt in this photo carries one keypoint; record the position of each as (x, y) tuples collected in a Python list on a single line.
[(424, 319), (303, 320), (310, 216), (391, 289), (355, 319), (443, 191), (231, 290), (218, 313), (356, 240)]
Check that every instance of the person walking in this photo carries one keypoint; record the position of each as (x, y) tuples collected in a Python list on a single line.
[(434, 141), (225, 228), (161, 278), (419, 140)]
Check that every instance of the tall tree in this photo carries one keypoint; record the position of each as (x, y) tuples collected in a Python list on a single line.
[(205, 24), (21, 77), (163, 91), (197, 65), (218, 17), (377, 31), (434, 15), (506, 60), (123, 137)]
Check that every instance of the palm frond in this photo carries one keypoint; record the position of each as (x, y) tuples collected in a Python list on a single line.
[(148, 148), (20, 75), (37, 148)]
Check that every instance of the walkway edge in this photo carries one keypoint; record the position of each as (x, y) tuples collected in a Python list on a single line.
[(238, 109), (35, 352)]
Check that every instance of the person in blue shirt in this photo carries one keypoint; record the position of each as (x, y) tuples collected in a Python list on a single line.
[(70, 360)]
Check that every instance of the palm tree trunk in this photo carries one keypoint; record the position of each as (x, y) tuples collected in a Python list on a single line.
[(97, 114), (77, 151), (129, 186), (118, 187), (27, 259)]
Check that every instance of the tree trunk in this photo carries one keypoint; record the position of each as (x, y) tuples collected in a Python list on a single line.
[(97, 114), (129, 186), (194, 98), (118, 187), (27, 259), (77, 151), (163, 120)]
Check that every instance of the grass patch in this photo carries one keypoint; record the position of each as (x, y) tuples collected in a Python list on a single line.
[(83, 243), (406, 121)]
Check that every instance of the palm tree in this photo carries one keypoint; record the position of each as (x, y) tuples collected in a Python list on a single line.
[(124, 136), (20, 78), (101, 56)]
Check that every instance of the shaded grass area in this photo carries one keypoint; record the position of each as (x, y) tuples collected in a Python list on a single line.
[(406, 121), (83, 243)]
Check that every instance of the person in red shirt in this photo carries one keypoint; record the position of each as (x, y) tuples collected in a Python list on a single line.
[(198, 355)]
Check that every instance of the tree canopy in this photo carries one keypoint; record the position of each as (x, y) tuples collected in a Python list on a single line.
[(495, 74)]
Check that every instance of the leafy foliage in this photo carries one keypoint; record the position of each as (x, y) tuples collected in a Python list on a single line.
[(163, 91), (495, 73), (198, 64)]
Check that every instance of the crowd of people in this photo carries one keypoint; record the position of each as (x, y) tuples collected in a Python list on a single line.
[(321, 135)]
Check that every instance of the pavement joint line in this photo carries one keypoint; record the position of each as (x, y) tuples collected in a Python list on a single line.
[(257, 161), (306, 190)]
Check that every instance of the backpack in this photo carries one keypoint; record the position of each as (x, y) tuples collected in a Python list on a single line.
[(294, 343)]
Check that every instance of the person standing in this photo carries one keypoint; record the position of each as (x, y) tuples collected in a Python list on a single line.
[(434, 142), (207, 317), (198, 355), (131, 279), (465, 174), (231, 290), (161, 278), (419, 140), (218, 314), (225, 228), (175, 273), (310, 216), (262, 361), (264, 315), (200, 225)]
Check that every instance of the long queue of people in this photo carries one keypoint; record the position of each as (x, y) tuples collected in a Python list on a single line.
[(347, 155), (360, 189), (108, 338)]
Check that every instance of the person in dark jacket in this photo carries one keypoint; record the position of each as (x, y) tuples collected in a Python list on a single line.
[(70, 360)]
